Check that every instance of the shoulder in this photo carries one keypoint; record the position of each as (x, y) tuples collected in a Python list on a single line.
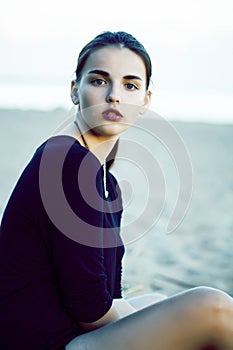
[(61, 145), (65, 150)]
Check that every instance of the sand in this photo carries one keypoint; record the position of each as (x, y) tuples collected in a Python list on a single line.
[(199, 250)]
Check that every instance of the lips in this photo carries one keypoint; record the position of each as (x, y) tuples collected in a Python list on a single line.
[(113, 115)]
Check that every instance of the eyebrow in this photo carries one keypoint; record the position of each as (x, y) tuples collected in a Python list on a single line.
[(106, 74), (99, 71)]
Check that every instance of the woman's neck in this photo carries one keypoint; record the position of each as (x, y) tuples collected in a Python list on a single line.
[(100, 146)]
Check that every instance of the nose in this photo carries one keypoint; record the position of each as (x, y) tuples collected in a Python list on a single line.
[(113, 96), (113, 99)]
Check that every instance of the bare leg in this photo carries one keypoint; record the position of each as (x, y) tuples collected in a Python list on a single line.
[(188, 321)]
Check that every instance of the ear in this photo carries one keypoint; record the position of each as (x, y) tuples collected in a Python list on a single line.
[(74, 92), (146, 104)]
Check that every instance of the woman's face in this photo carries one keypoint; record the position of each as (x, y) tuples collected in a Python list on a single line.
[(112, 90)]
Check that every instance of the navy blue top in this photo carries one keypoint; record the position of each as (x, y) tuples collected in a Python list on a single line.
[(60, 248)]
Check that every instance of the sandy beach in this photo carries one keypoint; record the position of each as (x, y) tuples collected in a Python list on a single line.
[(199, 250)]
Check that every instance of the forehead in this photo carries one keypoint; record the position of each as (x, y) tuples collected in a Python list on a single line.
[(114, 59)]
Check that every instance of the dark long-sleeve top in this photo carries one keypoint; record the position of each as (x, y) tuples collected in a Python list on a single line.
[(60, 248)]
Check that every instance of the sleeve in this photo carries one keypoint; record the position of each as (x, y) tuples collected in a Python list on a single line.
[(78, 259), (82, 280), (120, 249), (117, 211), (118, 276)]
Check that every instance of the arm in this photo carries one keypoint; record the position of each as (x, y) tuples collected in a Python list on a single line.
[(119, 309), (81, 269)]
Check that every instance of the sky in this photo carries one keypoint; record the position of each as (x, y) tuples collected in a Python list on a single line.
[(190, 43)]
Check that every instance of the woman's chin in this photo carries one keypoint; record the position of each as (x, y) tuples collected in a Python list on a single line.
[(111, 129)]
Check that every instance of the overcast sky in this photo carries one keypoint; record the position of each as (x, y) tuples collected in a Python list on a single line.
[(190, 43)]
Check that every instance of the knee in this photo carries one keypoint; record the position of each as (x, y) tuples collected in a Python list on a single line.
[(212, 299), (213, 307)]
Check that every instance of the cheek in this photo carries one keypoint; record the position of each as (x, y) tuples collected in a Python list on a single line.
[(92, 113), (131, 111), (91, 97), (136, 100), (136, 97), (85, 102)]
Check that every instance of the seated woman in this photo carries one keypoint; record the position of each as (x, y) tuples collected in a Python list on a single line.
[(60, 243)]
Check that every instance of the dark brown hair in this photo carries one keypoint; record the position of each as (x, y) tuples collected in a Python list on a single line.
[(121, 39)]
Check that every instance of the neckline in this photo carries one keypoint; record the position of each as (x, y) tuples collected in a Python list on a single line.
[(75, 140), (79, 144)]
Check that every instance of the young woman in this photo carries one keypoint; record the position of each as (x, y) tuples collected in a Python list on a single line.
[(60, 247)]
